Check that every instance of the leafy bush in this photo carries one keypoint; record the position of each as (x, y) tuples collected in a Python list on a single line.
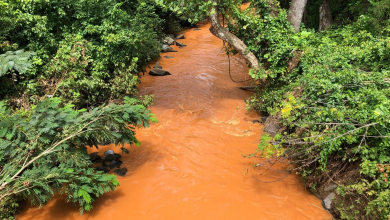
[(45, 151), (86, 53)]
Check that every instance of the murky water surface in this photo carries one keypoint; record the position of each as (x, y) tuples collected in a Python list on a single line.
[(190, 165)]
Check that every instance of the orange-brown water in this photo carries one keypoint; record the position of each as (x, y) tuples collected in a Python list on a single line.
[(189, 165)]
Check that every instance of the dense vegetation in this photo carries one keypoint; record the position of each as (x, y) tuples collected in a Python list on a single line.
[(63, 65), (327, 92), (86, 51)]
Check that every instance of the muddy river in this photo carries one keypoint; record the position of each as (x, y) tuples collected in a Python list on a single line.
[(190, 164)]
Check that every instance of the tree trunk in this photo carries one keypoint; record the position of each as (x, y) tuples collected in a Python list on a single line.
[(295, 14), (223, 34), (325, 16)]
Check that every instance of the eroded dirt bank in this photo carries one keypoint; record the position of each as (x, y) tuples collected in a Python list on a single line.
[(190, 165)]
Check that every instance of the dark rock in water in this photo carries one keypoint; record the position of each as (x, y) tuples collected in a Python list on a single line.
[(255, 121), (100, 160), (157, 66), (104, 169), (327, 202), (167, 48), (110, 157), (104, 164), (168, 57), (94, 156), (197, 29), (159, 72), (108, 152), (117, 156), (115, 163), (180, 44), (121, 171), (180, 36)]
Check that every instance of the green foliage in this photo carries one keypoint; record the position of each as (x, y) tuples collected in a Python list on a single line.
[(45, 152), (15, 60), (86, 52)]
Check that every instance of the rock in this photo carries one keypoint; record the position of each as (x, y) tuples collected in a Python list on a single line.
[(94, 156), (197, 29), (180, 44), (180, 36), (100, 160), (168, 57), (108, 152), (104, 169), (121, 171), (167, 48), (157, 66), (117, 156), (264, 119), (159, 72), (104, 164), (327, 202), (169, 41), (331, 187), (255, 121), (110, 157), (116, 164)]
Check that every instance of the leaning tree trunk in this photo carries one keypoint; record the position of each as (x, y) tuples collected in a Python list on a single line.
[(325, 16), (297, 8), (223, 34)]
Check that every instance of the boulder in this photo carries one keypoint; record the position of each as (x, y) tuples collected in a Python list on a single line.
[(180, 44), (108, 152), (158, 72), (115, 163), (117, 156), (167, 48), (180, 36), (100, 160), (327, 202), (168, 57), (104, 164), (104, 169), (157, 66), (94, 156), (169, 41), (197, 29), (121, 171), (110, 157)]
